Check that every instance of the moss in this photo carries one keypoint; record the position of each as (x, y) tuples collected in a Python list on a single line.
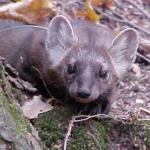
[(14, 110), (8, 96), (53, 126), (102, 134), (145, 136), (133, 135), (94, 134), (88, 136)]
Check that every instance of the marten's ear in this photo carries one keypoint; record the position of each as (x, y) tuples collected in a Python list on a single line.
[(123, 50), (60, 36)]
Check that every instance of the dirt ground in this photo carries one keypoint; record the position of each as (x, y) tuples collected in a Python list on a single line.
[(134, 95)]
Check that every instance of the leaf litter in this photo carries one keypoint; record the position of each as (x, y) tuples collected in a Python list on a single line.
[(134, 90)]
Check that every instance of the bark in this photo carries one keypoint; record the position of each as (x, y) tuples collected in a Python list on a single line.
[(16, 133)]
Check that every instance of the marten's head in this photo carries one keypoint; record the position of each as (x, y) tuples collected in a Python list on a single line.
[(89, 58)]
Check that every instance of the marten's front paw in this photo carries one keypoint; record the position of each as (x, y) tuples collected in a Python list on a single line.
[(94, 108)]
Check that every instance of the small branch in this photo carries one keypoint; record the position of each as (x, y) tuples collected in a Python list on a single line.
[(42, 78), (139, 8), (95, 140), (143, 119), (81, 118), (68, 133), (124, 20), (143, 57), (121, 19), (145, 110)]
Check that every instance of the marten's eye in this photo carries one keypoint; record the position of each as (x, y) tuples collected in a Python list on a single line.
[(103, 74), (71, 69)]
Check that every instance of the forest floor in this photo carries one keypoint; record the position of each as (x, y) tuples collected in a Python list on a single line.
[(133, 103)]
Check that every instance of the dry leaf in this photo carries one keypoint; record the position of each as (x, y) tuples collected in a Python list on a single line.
[(136, 70), (28, 11), (139, 101), (145, 43), (90, 12), (32, 108)]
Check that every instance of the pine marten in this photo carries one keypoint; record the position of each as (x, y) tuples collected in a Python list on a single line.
[(70, 58)]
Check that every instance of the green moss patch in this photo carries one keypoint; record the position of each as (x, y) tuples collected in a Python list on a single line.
[(53, 126)]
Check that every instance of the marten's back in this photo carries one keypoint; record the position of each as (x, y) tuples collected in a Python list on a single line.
[(17, 40), (23, 46)]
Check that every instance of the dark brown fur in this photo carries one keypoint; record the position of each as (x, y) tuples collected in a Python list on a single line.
[(43, 56)]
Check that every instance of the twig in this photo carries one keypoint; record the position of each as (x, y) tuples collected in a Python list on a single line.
[(145, 110), (124, 20), (139, 8), (81, 118), (143, 57), (144, 119), (95, 140), (68, 133), (23, 26), (120, 19), (42, 78)]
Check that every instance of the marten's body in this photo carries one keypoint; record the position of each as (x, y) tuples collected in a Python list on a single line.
[(30, 60), (76, 59)]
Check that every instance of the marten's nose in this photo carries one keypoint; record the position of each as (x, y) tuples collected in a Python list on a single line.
[(83, 93)]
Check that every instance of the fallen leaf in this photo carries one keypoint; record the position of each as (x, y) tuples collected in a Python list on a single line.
[(145, 43), (90, 12), (139, 101), (32, 108), (27, 11), (136, 70)]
